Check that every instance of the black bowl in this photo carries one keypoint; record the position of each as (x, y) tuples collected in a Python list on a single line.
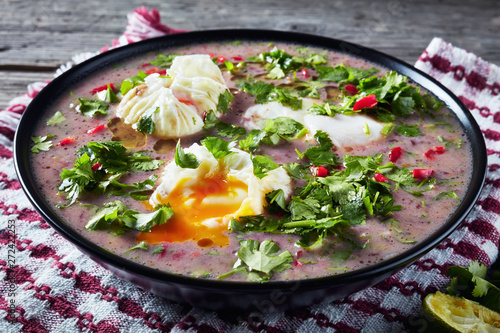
[(214, 294)]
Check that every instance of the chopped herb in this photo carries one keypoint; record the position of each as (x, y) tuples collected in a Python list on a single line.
[(262, 165), (132, 82), (224, 100), (42, 143), (260, 260), (57, 119), (110, 96), (91, 108), (140, 246), (163, 60), (218, 147), (408, 130), (147, 124), (185, 160)]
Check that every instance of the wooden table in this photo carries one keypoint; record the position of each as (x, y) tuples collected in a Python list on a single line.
[(36, 39)]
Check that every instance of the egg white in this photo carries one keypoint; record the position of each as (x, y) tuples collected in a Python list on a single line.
[(236, 167), (343, 130)]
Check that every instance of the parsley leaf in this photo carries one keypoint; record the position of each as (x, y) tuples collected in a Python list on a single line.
[(163, 60), (147, 124), (224, 100), (110, 96), (185, 160), (471, 283), (91, 108), (321, 154), (42, 143), (116, 216), (262, 165), (408, 130), (267, 92), (132, 82), (57, 119), (112, 161), (223, 129), (139, 246), (260, 260), (218, 147)]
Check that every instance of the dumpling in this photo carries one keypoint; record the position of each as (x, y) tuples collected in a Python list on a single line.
[(205, 199), (195, 65), (192, 88), (201, 91), (172, 119)]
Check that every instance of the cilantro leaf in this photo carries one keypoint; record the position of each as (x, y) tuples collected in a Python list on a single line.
[(147, 124), (110, 96), (132, 82), (42, 143), (223, 129), (185, 160), (145, 221), (91, 108), (224, 100), (112, 161), (57, 119), (218, 147), (408, 130), (262, 165), (471, 283), (139, 246), (163, 60), (115, 215), (261, 260), (267, 92)]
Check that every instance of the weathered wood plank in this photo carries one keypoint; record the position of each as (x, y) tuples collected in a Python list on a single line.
[(42, 36)]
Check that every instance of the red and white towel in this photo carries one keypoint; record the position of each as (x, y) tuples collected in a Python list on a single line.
[(59, 289)]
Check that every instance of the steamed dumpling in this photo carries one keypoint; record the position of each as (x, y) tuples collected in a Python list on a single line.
[(195, 65), (192, 88), (205, 199), (172, 119), (201, 91)]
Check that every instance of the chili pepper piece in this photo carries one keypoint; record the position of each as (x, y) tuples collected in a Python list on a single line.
[(96, 166), (321, 171), (102, 88), (96, 129), (421, 174), (352, 90), (380, 178), (66, 141), (365, 103), (395, 154)]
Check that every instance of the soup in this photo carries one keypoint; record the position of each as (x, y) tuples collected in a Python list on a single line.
[(251, 161)]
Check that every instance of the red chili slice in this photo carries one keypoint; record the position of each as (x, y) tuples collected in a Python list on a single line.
[(422, 173), (380, 177), (365, 103), (96, 129), (156, 70), (96, 167), (440, 150), (321, 171), (66, 141), (221, 59), (304, 72), (436, 150), (101, 88), (352, 90), (395, 154), (237, 58), (430, 154)]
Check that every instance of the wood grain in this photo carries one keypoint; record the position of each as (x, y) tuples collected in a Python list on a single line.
[(36, 39)]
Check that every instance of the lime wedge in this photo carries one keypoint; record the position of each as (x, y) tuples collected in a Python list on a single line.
[(445, 313)]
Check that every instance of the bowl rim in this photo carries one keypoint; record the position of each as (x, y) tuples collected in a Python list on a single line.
[(61, 83)]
